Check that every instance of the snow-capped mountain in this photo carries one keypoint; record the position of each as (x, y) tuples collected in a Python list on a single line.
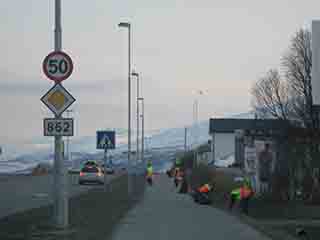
[(23, 156)]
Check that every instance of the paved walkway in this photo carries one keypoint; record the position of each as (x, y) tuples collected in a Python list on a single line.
[(165, 214)]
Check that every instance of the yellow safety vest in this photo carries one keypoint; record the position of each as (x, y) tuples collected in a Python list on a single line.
[(149, 171)]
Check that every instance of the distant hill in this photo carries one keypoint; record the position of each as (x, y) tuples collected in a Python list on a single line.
[(19, 158)]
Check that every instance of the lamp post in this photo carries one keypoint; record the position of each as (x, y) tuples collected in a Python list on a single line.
[(128, 26), (196, 121), (142, 141), (138, 96)]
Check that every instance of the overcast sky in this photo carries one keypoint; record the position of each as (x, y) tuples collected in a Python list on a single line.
[(179, 46)]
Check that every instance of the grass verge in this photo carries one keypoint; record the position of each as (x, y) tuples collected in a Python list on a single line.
[(92, 215), (261, 210)]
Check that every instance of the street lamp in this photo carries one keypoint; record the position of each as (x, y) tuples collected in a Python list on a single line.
[(138, 96), (196, 121), (142, 144), (128, 26)]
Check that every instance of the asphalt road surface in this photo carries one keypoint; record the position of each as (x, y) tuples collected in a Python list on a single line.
[(20, 193)]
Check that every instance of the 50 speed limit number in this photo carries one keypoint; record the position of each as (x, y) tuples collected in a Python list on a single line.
[(58, 127), (57, 66)]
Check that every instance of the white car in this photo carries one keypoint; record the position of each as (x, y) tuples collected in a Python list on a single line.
[(91, 174)]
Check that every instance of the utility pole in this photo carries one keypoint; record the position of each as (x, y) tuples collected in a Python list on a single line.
[(142, 144), (212, 149), (138, 115), (196, 120), (185, 139), (195, 112), (60, 184), (142, 141)]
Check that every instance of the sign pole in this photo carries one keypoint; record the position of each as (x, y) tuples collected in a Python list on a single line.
[(60, 188), (106, 140), (105, 165)]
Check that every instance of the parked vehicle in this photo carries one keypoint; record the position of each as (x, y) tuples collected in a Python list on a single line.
[(91, 163)]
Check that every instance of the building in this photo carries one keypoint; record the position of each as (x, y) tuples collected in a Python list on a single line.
[(225, 134)]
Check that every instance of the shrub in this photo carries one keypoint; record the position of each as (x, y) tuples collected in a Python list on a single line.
[(201, 175)]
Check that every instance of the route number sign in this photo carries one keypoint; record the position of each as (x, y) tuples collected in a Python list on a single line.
[(57, 66), (58, 127)]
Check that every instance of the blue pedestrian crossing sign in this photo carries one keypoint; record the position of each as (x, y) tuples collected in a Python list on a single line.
[(106, 140)]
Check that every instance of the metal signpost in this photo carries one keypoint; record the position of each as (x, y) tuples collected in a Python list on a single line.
[(58, 66), (106, 140)]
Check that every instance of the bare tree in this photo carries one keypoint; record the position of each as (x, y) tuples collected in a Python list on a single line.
[(270, 98), (297, 63), (290, 97)]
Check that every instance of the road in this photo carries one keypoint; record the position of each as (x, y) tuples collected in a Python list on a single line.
[(20, 193), (165, 214)]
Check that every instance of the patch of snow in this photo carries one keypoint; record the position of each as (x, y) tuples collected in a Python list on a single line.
[(19, 157)]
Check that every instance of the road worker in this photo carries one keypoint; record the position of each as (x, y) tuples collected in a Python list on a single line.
[(149, 173), (242, 195), (201, 195)]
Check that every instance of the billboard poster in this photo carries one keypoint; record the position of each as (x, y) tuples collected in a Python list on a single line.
[(266, 158), (260, 157), (250, 162), (250, 165)]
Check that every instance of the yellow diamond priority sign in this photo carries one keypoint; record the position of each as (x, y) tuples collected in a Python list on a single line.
[(58, 99)]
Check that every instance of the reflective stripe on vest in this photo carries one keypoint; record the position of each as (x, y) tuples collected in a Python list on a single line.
[(236, 193), (204, 189), (149, 171)]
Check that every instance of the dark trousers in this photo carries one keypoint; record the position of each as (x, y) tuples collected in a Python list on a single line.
[(183, 187), (149, 180), (244, 205), (202, 198), (232, 201), (176, 182)]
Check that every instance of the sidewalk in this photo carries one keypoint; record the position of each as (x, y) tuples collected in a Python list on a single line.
[(165, 214)]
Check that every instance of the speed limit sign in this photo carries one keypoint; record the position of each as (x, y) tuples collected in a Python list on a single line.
[(57, 66)]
